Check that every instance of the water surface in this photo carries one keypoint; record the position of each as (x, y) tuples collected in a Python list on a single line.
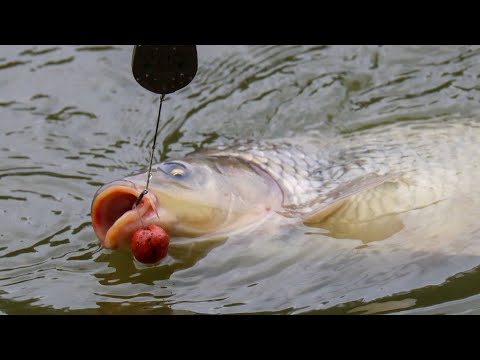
[(73, 118)]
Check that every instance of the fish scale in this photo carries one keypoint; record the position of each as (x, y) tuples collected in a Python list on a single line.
[(433, 157), (366, 185)]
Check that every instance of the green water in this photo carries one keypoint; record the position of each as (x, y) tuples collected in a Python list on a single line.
[(72, 118)]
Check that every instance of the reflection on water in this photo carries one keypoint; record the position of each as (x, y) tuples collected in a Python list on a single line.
[(73, 118)]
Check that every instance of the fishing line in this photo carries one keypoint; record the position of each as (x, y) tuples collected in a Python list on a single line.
[(145, 192), (154, 142)]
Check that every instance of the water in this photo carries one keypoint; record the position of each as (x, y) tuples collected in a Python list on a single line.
[(73, 118)]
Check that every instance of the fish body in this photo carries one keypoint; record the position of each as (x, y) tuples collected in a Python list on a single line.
[(359, 185)]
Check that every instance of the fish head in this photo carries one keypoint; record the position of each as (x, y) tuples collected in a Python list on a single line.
[(189, 197)]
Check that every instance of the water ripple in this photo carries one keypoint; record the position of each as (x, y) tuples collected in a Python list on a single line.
[(75, 119)]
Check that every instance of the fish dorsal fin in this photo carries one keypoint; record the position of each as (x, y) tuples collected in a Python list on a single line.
[(338, 196)]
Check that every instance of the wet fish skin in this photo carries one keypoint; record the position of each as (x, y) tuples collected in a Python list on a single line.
[(355, 185), (190, 197), (431, 157)]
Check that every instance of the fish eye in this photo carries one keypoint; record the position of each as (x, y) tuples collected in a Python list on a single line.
[(174, 169), (177, 172)]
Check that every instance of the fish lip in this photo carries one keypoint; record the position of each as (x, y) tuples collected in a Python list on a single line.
[(113, 219)]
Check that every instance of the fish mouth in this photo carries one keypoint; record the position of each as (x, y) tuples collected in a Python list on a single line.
[(113, 219)]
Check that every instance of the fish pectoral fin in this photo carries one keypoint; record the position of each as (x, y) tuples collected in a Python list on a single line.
[(320, 215), (336, 198), (340, 214), (376, 229)]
